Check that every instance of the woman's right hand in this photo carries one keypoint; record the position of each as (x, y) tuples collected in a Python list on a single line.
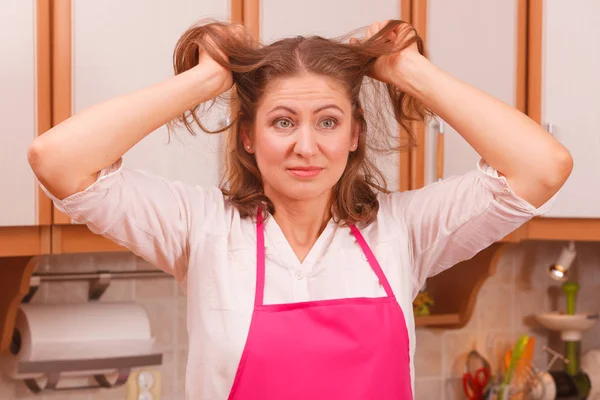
[(223, 74)]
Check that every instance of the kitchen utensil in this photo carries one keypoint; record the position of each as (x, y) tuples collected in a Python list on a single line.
[(475, 385), (477, 377), (476, 361), (523, 367), (515, 357)]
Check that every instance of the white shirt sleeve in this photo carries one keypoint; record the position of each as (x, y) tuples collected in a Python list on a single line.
[(452, 220), (144, 213)]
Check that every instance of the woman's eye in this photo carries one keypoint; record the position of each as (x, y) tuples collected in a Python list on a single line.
[(283, 123), (328, 123)]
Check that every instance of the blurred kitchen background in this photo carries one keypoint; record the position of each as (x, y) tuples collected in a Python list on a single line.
[(510, 304)]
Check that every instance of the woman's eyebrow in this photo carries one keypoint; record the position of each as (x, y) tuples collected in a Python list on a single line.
[(328, 106), (283, 108)]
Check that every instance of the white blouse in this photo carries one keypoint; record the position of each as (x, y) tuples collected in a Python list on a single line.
[(196, 235)]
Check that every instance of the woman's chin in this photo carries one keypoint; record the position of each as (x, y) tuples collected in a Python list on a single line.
[(305, 191)]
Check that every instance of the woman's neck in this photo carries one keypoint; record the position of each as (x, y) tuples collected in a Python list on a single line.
[(302, 221)]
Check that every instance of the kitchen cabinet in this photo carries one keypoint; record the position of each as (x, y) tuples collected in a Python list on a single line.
[(279, 19), (25, 111), (562, 95), (19, 109), (538, 56), (287, 19), (476, 42), (568, 102), (113, 47)]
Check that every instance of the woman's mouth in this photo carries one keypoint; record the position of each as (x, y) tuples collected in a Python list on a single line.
[(305, 172)]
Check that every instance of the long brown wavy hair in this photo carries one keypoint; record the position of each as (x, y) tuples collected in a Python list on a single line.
[(253, 66)]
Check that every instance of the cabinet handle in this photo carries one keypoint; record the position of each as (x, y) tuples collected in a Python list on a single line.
[(440, 150), (550, 128)]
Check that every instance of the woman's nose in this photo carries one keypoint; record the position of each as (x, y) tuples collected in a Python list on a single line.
[(306, 145)]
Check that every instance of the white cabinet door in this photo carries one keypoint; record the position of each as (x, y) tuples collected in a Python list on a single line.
[(327, 18), (475, 41), (121, 46), (571, 99), (330, 19), (18, 113)]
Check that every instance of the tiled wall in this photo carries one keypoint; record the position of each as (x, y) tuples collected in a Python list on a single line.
[(504, 310), (505, 304)]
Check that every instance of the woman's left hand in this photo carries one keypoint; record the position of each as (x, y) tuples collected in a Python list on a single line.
[(395, 68)]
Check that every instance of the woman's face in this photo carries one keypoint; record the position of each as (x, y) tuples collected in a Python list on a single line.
[(302, 136)]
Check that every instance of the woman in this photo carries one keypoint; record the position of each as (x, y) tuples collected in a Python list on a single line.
[(301, 270)]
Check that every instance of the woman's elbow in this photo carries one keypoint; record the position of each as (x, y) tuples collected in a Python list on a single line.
[(45, 166), (36, 157), (561, 170)]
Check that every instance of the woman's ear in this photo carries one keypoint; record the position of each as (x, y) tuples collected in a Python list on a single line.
[(246, 138), (358, 121), (356, 128)]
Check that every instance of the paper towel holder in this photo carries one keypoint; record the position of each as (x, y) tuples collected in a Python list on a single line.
[(53, 378), (52, 371), (103, 360), (99, 280)]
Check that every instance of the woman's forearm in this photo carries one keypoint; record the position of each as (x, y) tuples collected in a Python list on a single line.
[(535, 163), (67, 158)]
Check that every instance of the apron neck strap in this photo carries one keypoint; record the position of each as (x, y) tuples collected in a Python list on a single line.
[(260, 260), (372, 260)]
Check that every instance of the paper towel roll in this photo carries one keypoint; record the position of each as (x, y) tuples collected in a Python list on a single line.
[(92, 330)]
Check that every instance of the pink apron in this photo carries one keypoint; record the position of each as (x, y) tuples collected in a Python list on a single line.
[(347, 349)]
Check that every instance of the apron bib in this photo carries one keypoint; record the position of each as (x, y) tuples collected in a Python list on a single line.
[(347, 349)]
